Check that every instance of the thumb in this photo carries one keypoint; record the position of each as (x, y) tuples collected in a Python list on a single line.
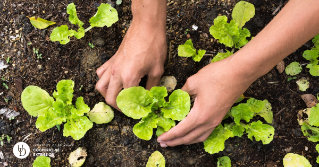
[(190, 87)]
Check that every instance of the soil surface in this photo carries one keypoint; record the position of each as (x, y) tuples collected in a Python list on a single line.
[(114, 144)]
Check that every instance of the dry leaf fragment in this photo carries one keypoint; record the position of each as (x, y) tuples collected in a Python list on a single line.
[(310, 100), (40, 23), (281, 66)]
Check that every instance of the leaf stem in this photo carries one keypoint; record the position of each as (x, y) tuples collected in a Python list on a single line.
[(88, 29)]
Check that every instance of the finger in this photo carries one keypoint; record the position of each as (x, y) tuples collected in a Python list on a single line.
[(104, 67), (203, 137), (114, 88), (190, 86), (103, 83), (152, 81), (130, 80), (180, 130), (191, 137)]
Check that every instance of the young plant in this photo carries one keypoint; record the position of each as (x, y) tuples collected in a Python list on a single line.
[(293, 69), (105, 16), (223, 161), (137, 103), (188, 50), (36, 52), (42, 161), (244, 111), (303, 84), (38, 103), (91, 45), (292, 159), (156, 160), (317, 149), (233, 34), (309, 126), (312, 56)]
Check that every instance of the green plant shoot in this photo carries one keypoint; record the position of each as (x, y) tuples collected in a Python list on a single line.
[(293, 68), (105, 16), (188, 50), (137, 103)]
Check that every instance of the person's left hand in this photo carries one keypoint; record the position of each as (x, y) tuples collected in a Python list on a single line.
[(216, 86)]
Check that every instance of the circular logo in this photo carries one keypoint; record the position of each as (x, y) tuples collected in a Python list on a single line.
[(21, 150)]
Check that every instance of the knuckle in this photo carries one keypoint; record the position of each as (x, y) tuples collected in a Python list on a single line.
[(99, 86), (127, 78), (187, 141), (110, 101)]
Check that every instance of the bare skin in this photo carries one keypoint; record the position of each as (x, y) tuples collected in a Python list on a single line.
[(218, 85)]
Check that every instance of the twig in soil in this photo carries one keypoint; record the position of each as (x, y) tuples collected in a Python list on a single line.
[(208, 54), (274, 13), (281, 111), (276, 82), (26, 137)]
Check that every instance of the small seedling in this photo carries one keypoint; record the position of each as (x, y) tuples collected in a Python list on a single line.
[(118, 2), (29, 43), (58, 127), (5, 85), (3, 79), (223, 161), (9, 138), (186, 31), (151, 106), (106, 16), (188, 50), (8, 60), (293, 68), (36, 51), (11, 118), (3, 137), (312, 55), (91, 45), (80, 87), (291, 78), (6, 100)]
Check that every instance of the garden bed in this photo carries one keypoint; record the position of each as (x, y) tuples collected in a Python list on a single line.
[(114, 144)]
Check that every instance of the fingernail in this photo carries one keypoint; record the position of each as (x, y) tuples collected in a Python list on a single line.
[(163, 145)]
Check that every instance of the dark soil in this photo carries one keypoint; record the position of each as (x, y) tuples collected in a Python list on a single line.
[(114, 144)]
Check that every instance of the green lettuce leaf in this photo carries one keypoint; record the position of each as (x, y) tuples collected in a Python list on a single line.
[(36, 101), (260, 131), (165, 123), (144, 129), (156, 160), (64, 91), (81, 107), (242, 112), (223, 31), (315, 41), (135, 102), (313, 69), (42, 161), (187, 49), (238, 130), (199, 56), (101, 113), (311, 55), (312, 133), (241, 40), (106, 16), (317, 148), (73, 16), (62, 34), (243, 12), (291, 160), (223, 161), (80, 33), (293, 68), (216, 141), (178, 106), (255, 105), (77, 127), (221, 56), (50, 119), (159, 131), (313, 117), (158, 93), (266, 112), (303, 84)]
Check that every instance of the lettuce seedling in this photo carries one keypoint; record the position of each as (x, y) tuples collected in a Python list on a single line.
[(137, 103), (312, 56), (223, 161), (105, 16), (38, 103), (309, 126), (232, 34), (188, 50), (303, 84), (292, 159), (293, 68), (156, 160), (42, 161), (244, 111), (101, 113), (220, 56)]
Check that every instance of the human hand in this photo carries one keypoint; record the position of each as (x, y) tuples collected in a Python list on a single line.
[(142, 52), (216, 86)]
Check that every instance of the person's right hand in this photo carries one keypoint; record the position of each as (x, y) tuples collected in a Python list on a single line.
[(142, 52)]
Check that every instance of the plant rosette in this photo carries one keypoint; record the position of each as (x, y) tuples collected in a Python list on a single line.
[(137, 103)]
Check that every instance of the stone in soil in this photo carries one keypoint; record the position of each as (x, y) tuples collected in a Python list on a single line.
[(169, 82), (99, 41)]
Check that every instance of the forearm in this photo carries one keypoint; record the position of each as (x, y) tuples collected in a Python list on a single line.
[(150, 12), (292, 27)]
